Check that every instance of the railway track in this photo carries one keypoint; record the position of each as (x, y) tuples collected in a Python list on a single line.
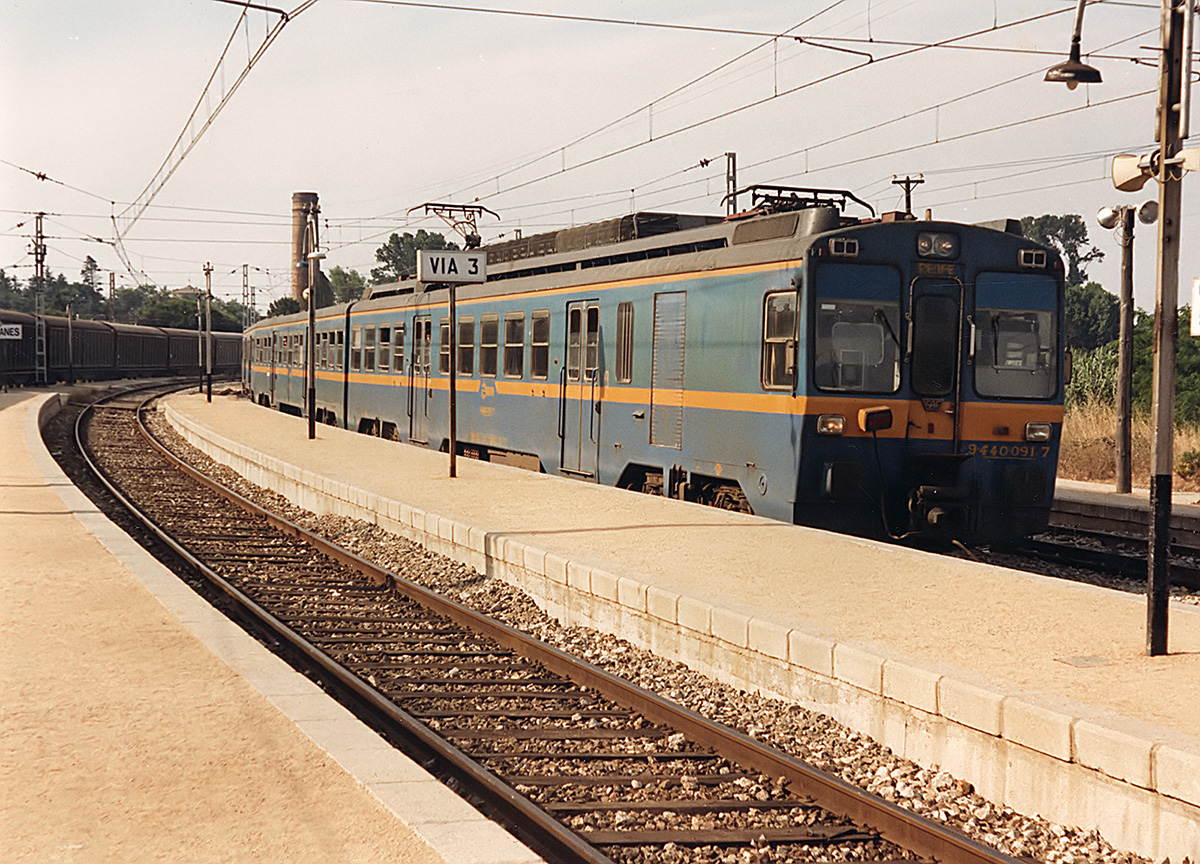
[(580, 764), (1103, 552)]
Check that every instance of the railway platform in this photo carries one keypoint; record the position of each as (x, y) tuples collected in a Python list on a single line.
[(1098, 507), (1036, 690), (138, 724)]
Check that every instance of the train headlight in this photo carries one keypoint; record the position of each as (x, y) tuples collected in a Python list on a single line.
[(1038, 431), (831, 424), (936, 244)]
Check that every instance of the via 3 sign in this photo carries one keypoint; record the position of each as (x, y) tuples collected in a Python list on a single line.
[(440, 265)]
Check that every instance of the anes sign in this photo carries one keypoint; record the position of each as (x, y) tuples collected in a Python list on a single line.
[(439, 265), (10, 331)]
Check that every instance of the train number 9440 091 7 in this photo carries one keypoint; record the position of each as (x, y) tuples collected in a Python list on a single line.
[(1008, 451)]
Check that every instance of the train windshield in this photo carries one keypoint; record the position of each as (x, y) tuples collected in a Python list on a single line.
[(857, 316), (1016, 335)]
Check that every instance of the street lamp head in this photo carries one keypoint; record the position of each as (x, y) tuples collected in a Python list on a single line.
[(1108, 217), (1073, 72), (1147, 213)]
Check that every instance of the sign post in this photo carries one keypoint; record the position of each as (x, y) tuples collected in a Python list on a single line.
[(451, 268)]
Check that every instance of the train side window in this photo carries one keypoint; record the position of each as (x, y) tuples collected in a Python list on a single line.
[(385, 348), (574, 340), (591, 353), (539, 344), (779, 341), (466, 346), (444, 346), (355, 348), (339, 352), (624, 342), (514, 344), (369, 348), (489, 337), (427, 343), (398, 346)]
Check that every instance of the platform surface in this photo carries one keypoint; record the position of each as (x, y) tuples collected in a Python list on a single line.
[(124, 738), (1026, 633)]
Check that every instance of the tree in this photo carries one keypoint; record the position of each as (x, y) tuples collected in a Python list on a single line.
[(283, 306), (1093, 316), (399, 255), (166, 310), (1067, 234), (128, 302), (12, 296), (90, 273), (347, 285)]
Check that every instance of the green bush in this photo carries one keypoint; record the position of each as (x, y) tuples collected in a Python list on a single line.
[(1188, 464), (1094, 377)]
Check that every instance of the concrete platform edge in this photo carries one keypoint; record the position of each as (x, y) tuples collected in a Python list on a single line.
[(445, 822), (1135, 782)]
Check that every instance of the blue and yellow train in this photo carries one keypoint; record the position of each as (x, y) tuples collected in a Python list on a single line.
[(883, 376)]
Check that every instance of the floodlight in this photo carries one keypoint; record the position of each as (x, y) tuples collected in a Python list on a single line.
[(1108, 217), (1147, 212)]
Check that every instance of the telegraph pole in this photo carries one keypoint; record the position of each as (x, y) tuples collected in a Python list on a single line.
[(1124, 466), (1169, 174), (39, 301), (112, 295), (909, 183), (730, 184), (245, 296)]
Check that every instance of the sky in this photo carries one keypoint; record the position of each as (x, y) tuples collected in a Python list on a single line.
[(380, 107)]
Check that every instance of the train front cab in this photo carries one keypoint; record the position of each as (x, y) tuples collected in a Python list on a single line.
[(934, 389)]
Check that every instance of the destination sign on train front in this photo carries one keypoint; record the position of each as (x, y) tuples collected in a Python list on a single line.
[(442, 265)]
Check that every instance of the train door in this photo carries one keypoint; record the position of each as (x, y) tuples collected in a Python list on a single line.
[(274, 360), (935, 350), (579, 420), (418, 380)]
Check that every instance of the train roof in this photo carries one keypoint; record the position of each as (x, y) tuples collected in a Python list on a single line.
[(790, 217)]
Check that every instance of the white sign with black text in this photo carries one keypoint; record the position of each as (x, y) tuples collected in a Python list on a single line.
[(10, 331), (441, 265)]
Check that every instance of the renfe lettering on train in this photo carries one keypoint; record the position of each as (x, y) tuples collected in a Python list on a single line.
[(439, 265)]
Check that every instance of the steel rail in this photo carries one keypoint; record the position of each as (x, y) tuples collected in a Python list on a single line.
[(1128, 565), (525, 818), (903, 827)]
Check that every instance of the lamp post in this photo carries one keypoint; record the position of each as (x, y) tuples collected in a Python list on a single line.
[(310, 355), (208, 328), (1121, 218)]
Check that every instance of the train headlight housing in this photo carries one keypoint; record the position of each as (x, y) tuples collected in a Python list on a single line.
[(831, 424), (937, 244), (1038, 431)]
